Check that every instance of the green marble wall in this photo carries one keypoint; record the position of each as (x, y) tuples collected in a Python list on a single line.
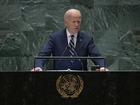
[(26, 24)]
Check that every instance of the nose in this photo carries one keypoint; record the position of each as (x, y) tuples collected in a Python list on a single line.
[(76, 23)]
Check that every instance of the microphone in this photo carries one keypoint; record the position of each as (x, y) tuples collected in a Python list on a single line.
[(64, 50), (81, 64), (79, 60)]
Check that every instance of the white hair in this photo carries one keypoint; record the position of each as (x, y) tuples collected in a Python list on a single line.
[(69, 12)]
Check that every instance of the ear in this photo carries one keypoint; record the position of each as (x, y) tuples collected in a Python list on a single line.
[(65, 23)]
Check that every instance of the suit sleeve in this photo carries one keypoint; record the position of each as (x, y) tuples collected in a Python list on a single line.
[(46, 51), (94, 52)]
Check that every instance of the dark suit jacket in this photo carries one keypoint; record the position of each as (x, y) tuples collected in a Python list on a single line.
[(57, 45)]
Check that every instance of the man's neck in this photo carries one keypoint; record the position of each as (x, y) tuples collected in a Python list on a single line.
[(70, 33)]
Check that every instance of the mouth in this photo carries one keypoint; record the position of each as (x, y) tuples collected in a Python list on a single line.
[(77, 28)]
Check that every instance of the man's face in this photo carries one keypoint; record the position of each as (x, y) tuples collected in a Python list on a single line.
[(73, 23)]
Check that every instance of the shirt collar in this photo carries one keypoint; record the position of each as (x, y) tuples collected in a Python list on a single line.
[(69, 35)]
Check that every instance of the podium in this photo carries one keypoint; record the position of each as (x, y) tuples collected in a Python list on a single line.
[(41, 88)]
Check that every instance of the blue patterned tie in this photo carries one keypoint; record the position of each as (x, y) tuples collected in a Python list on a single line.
[(72, 46)]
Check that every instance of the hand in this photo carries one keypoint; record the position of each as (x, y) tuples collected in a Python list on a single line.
[(36, 69), (102, 69)]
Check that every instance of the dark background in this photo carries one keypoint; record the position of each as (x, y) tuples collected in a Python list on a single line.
[(26, 24)]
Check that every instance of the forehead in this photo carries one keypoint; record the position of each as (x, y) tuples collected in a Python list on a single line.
[(75, 14)]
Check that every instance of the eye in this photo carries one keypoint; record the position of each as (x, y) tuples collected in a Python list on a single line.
[(74, 21)]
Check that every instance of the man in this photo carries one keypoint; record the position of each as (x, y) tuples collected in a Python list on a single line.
[(70, 42)]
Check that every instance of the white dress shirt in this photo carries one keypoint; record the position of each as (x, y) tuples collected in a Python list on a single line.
[(69, 37)]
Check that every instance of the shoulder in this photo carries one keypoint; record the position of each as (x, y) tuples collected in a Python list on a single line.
[(58, 33), (85, 35)]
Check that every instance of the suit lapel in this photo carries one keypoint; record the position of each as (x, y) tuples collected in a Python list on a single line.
[(79, 41), (64, 39)]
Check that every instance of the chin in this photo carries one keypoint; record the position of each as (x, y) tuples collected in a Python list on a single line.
[(77, 30)]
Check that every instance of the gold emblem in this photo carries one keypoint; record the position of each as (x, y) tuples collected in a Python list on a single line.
[(69, 86)]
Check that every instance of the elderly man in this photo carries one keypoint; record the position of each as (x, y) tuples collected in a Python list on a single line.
[(70, 42)]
